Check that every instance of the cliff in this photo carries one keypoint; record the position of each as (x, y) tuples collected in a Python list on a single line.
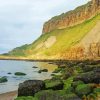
[(74, 17), (81, 41)]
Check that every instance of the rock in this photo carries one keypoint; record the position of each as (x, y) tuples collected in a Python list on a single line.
[(57, 70), (96, 90), (3, 79), (56, 95), (83, 89), (30, 87), (34, 67), (43, 70), (9, 73), (76, 83), (92, 96), (20, 74), (25, 98), (89, 77), (72, 18), (56, 77), (66, 75), (54, 84)]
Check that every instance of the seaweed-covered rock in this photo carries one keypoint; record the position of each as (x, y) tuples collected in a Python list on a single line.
[(83, 89), (20, 74), (3, 79), (96, 90), (43, 70), (92, 97), (57, 70), (56, 77), (30, 87), (54, 84), (76, 83), (56, 95), (89, 77), (26, 98)]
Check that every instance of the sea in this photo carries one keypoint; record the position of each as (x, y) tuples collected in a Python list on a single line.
[(12, 66)]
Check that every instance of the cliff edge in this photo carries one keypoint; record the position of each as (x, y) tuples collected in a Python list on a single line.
[(71, 18)]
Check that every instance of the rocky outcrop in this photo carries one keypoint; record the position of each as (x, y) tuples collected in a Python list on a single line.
[(80, 52), (74, 17)]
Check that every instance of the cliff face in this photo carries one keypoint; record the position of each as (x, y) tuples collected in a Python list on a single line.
[(74, 17)]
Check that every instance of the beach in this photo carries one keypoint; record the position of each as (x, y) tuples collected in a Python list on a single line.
[(8, 95)]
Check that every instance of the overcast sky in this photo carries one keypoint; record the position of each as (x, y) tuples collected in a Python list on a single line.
[(21, 21)]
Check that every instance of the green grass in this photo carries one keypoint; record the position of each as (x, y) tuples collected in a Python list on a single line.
[(66, 38)]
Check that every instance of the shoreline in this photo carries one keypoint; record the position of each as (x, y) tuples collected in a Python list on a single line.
[(47, 60), (9, 95)]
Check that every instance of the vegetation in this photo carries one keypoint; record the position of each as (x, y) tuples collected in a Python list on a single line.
[(65, 39)]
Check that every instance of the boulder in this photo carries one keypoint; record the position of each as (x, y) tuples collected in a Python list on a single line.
[(9, 73), (43, 70), (83, 89), (89, 77), (54, 84), (20, 74), (30, 87), (3, 79), (56, 95), (96, 90), (76, 83)]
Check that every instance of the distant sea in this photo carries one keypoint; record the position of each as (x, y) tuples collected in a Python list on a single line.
[(10, 66)]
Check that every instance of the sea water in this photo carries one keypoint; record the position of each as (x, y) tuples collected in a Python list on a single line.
[(12, 66)]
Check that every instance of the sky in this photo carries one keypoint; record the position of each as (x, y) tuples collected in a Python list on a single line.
[(21, 21)]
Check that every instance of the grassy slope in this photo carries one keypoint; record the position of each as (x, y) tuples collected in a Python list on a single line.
[(65, 39)]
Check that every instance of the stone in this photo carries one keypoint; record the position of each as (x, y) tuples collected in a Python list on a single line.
[(54, 84), (30, 87), (83, 89), (20, 74), (3, 79), (89, 77)]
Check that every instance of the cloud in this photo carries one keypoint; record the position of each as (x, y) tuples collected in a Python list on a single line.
[(21, 21)]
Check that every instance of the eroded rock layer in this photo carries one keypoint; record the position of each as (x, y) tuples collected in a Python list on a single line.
[(74, 17)]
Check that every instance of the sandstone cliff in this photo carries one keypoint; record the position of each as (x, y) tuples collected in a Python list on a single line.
[(74, 17)]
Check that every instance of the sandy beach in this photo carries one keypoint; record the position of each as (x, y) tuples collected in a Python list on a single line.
[(8, 96)]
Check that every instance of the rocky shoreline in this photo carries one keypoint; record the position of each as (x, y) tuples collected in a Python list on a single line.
[(72, 80)]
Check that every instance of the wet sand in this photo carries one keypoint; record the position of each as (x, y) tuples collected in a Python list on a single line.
[(8, 96)]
